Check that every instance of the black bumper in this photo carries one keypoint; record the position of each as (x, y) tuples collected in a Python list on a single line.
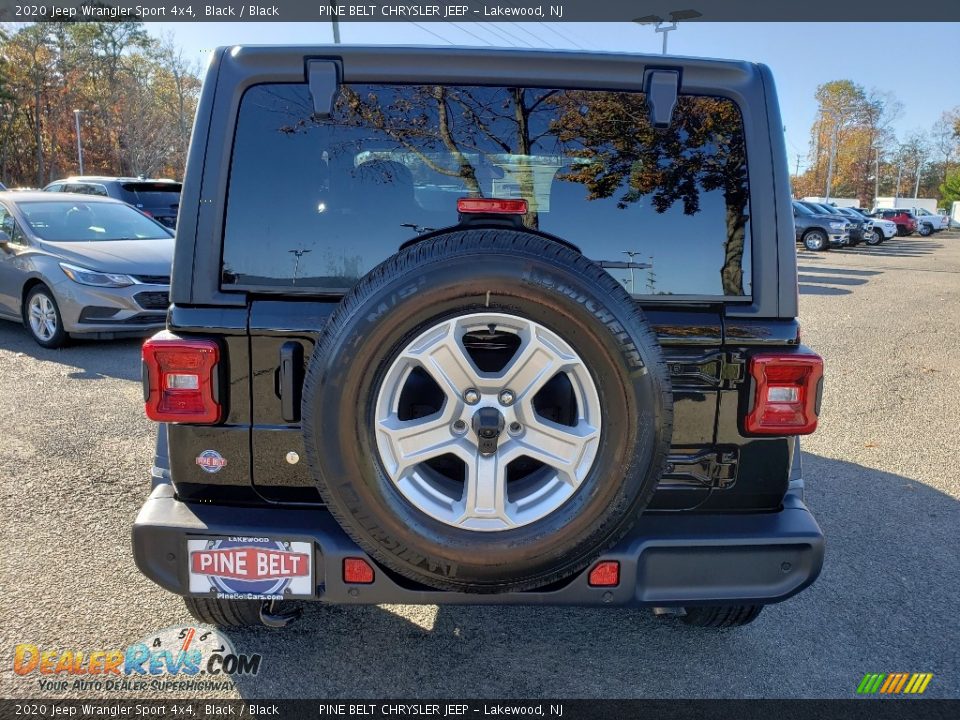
[(667, 559)]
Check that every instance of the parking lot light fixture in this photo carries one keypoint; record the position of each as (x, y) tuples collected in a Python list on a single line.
[(663, 26), (76, 117)]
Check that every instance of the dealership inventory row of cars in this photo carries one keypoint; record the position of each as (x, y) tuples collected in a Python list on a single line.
[(820, 226)]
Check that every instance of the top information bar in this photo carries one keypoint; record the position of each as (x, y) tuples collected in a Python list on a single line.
[(484, 11)]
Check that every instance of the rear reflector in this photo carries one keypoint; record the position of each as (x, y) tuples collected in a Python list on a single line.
[(786, 394), (495, 206), (357, 571), (180, 379), (605, 574)]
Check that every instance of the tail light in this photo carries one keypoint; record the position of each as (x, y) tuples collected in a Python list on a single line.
[(180, 379), (786, 394), (494, 206)]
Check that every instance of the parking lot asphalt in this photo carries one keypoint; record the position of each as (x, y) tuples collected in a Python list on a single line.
[(881, 476)]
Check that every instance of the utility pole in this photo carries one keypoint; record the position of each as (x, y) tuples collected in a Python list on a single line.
[(916, 187), (796, 173), (76, 117), (896, 194)]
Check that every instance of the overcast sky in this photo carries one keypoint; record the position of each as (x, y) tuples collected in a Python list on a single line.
[(915, 61)]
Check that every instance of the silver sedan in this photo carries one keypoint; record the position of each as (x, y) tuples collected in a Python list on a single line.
[(81, 265)]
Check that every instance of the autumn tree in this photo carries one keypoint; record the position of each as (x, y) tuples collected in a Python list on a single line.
[(136, 97), (850, 138), (945, 140)]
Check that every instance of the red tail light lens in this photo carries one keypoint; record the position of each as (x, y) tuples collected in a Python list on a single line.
[(357, 571), (786, 398), (496, 206), (605, 574), (180, 379)]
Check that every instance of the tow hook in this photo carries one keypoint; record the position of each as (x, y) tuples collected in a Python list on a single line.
[(488, 424), (272, 616)]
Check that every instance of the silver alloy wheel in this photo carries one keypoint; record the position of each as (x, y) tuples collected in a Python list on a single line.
[(484, 500), (42, 316), (815, 240)]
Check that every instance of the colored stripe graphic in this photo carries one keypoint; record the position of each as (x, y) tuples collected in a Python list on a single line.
[(894, 683), (903, 681)]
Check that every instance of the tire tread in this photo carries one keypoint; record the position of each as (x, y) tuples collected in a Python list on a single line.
[(225, 613), (722, 616)]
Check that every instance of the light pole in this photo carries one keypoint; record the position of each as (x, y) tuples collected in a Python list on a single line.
[(76, 117), (296, 265), (335, 22), (916, 187), (631, 254), (662, 26)]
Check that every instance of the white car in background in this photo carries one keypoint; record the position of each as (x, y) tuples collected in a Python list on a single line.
[(934, 221), (884, 229)]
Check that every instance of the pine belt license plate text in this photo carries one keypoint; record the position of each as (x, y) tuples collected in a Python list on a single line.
[(250, 568)]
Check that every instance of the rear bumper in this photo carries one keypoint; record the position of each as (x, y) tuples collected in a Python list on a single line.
[(670, 559)]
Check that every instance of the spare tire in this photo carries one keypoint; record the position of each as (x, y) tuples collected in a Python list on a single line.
[(486, 411)]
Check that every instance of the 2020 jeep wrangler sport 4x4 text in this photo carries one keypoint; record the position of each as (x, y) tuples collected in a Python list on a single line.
[(481, 326)]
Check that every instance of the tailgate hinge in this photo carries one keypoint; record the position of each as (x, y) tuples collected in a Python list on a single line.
[(707, 469), (732, 370), (716, 369)]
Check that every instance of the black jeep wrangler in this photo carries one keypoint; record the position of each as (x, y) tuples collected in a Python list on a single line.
[(481, 326)]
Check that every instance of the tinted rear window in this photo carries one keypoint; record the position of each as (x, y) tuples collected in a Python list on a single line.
[(152, 194), (318, 202)]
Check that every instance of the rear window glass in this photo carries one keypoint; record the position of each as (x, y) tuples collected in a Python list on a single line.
[(317, 202), (152, 194)]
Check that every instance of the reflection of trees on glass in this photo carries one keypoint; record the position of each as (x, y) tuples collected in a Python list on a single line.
[(390, 162), (701, 151), (459, 131)]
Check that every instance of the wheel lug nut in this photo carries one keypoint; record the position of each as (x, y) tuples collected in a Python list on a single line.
[(507, 397), (515, 427), (459, 427), (471, 396)]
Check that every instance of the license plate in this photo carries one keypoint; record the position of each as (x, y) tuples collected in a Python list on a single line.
[(250, 568)]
